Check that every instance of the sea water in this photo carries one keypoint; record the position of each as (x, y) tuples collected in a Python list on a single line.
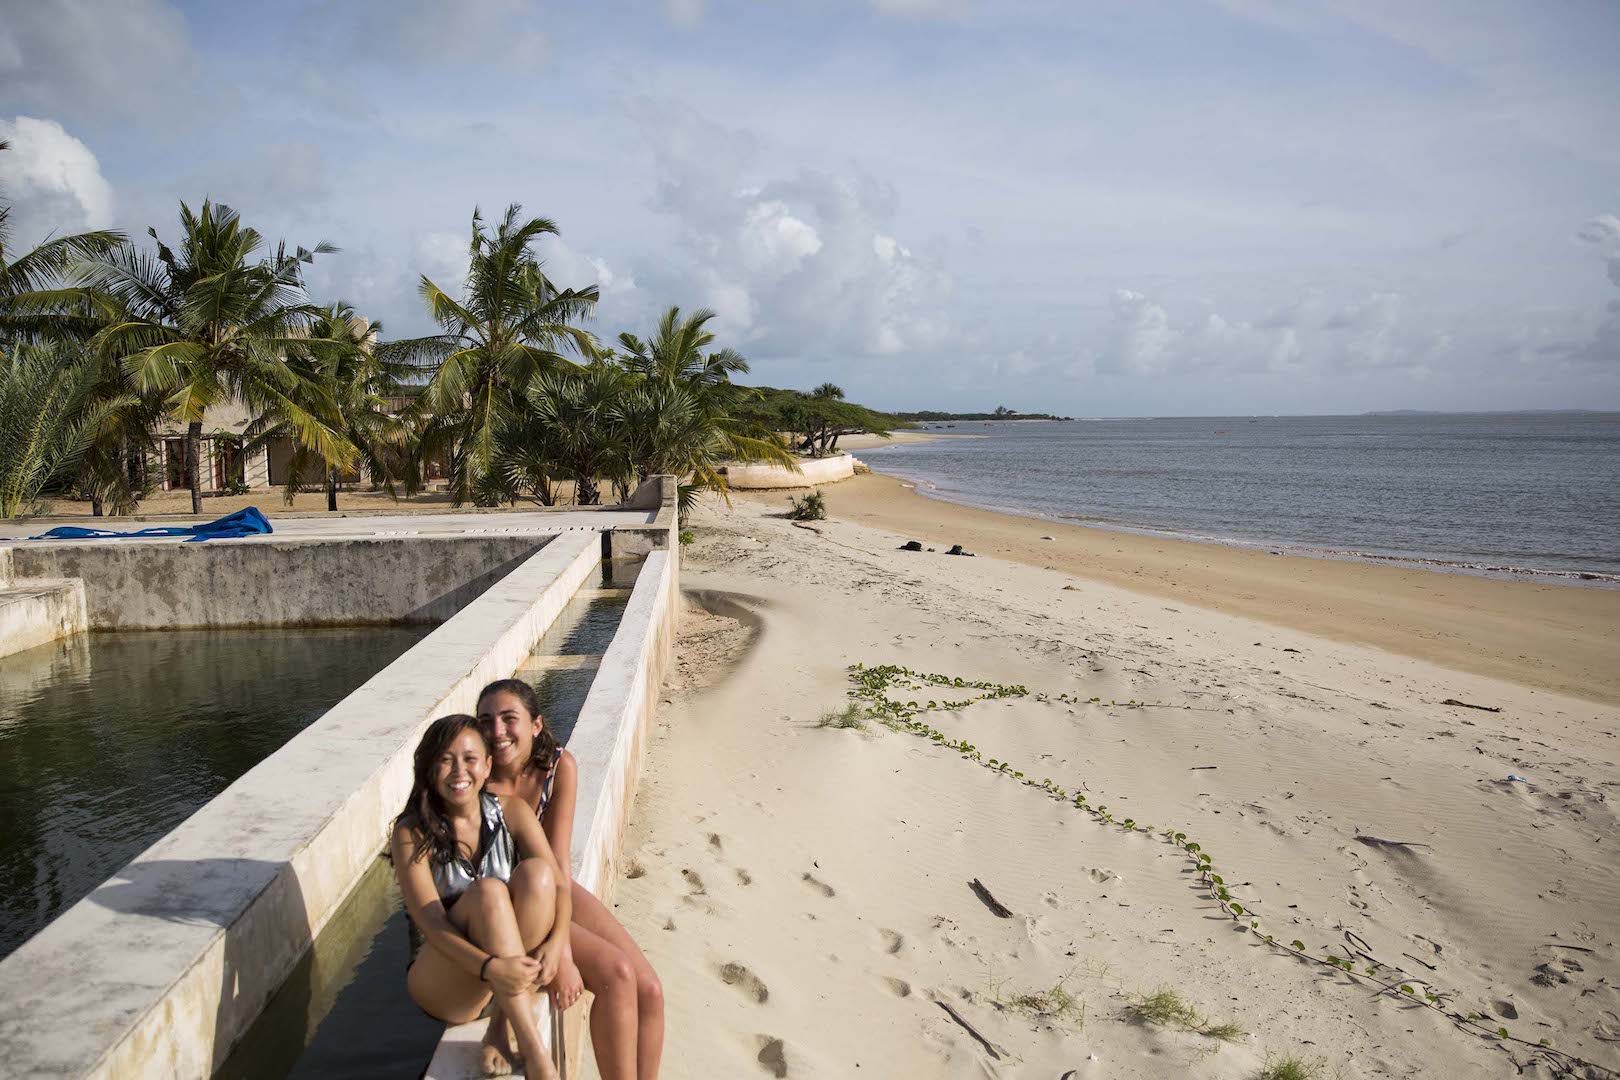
[(1520, 493)]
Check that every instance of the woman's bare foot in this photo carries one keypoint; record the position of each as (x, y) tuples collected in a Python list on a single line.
[(499, 1059)]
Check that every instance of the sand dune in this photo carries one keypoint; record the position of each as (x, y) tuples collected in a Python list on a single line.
[(804, 890)]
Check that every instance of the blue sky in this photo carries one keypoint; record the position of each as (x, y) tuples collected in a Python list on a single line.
[(1211, 206)]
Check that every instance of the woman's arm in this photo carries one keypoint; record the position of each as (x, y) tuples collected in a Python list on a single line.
[(532, 844), (559, 819), (426, 909)]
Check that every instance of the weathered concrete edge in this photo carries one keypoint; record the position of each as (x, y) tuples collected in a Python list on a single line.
[(609, 743), (163, 1009), (36, 612)]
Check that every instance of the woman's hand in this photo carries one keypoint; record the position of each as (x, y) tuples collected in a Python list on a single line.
[(512, 974), (568, 986), (549, 958)]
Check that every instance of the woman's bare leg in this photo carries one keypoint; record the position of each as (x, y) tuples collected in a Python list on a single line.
[(592, 915), (534, 901), (486, 915), (608, 975)]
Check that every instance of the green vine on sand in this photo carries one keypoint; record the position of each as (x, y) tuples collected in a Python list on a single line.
[(873, 686)]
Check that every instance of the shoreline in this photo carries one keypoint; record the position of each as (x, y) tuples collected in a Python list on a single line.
[(1578, 578), (1540, 634)]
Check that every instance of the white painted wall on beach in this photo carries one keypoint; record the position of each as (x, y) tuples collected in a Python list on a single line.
[(812, 472)]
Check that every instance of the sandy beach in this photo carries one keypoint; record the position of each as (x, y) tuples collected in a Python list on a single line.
[(804, 890)]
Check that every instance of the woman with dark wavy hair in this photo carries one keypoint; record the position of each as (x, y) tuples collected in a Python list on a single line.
[(489, 909), (627, 1016)]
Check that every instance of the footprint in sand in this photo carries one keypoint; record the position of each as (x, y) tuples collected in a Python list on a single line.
[(773, 1055), (714, 842), (899, 987), (633, 870), (891, 941), (738, 975), (820, 886), (744, 877), (694, 883)]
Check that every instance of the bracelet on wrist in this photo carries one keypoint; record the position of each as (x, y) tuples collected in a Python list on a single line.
[(484, 967)]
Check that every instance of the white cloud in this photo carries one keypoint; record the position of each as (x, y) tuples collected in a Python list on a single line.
[(793, 261), (52, 180)]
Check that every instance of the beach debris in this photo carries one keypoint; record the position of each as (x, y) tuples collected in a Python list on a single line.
[(1048, 538), (1515, 778), (956, 549), (1380, 842), (802, 525), (989, 1047), (1070, 588), (997, 908), (1195, 768), (911, 545), (1467, 705)]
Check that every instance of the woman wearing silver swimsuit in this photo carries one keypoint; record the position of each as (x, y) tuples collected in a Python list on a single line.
[(489, 909), (627, 1017)]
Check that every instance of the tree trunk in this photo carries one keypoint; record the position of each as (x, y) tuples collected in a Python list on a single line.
[(194, 464), (331, 488), (96, 506), (586, 493)]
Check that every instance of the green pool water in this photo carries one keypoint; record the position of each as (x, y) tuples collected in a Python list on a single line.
[(110, 740)]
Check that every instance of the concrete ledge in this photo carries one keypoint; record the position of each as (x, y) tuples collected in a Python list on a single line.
[(161, 969), (163, 585), (812, 471), (34, 612), (608, 741)]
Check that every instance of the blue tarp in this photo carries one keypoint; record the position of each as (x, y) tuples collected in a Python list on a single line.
[(247, 522)]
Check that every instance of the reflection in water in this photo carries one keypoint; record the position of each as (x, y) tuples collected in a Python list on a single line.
[(110, 740)]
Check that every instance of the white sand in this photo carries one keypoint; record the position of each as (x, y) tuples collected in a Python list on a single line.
[(803, 891)]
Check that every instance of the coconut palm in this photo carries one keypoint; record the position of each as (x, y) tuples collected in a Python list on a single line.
[(33, 302), (682, 415), (212, 322), (510, 324), (339, 361)]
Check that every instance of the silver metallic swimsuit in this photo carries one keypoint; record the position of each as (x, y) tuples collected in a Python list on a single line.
[(495, 858)]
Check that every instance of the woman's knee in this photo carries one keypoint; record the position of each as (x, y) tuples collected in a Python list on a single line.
[(649, 991), (534, 875), (619, 976), (489, 895)]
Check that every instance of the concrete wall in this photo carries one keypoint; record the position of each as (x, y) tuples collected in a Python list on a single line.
[(812, 471), (609, 742), (134, 585), (39, 611), (165, 965)]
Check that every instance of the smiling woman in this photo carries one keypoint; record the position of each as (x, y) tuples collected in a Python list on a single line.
[(482, 889)]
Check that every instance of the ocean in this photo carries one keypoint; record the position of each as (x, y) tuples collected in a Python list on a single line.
[(1524, 493)]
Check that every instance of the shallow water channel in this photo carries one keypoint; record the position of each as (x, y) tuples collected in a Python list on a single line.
[(110, 740), (345, 1011)]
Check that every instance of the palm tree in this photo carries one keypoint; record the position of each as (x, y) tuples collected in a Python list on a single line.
[(828, 392), (33, 303), (52, 412), (510, 325), (580, 428), (682, 416), (339, 361), (215, 322)]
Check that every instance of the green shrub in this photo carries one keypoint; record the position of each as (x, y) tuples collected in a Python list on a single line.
[(813, 507), (687, 536)]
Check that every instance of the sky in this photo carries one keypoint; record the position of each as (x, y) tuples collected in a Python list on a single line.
[(1188, 207)]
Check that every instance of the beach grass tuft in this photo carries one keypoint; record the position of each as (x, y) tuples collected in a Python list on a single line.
[(1166, 1007), (1053, 1003), (851, 716), (1288, 1068)]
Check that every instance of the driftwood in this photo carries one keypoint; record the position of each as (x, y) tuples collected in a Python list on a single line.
[(1195, 768), (969, 1028), (997, 908), (1466, 705), (1380, 842)]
